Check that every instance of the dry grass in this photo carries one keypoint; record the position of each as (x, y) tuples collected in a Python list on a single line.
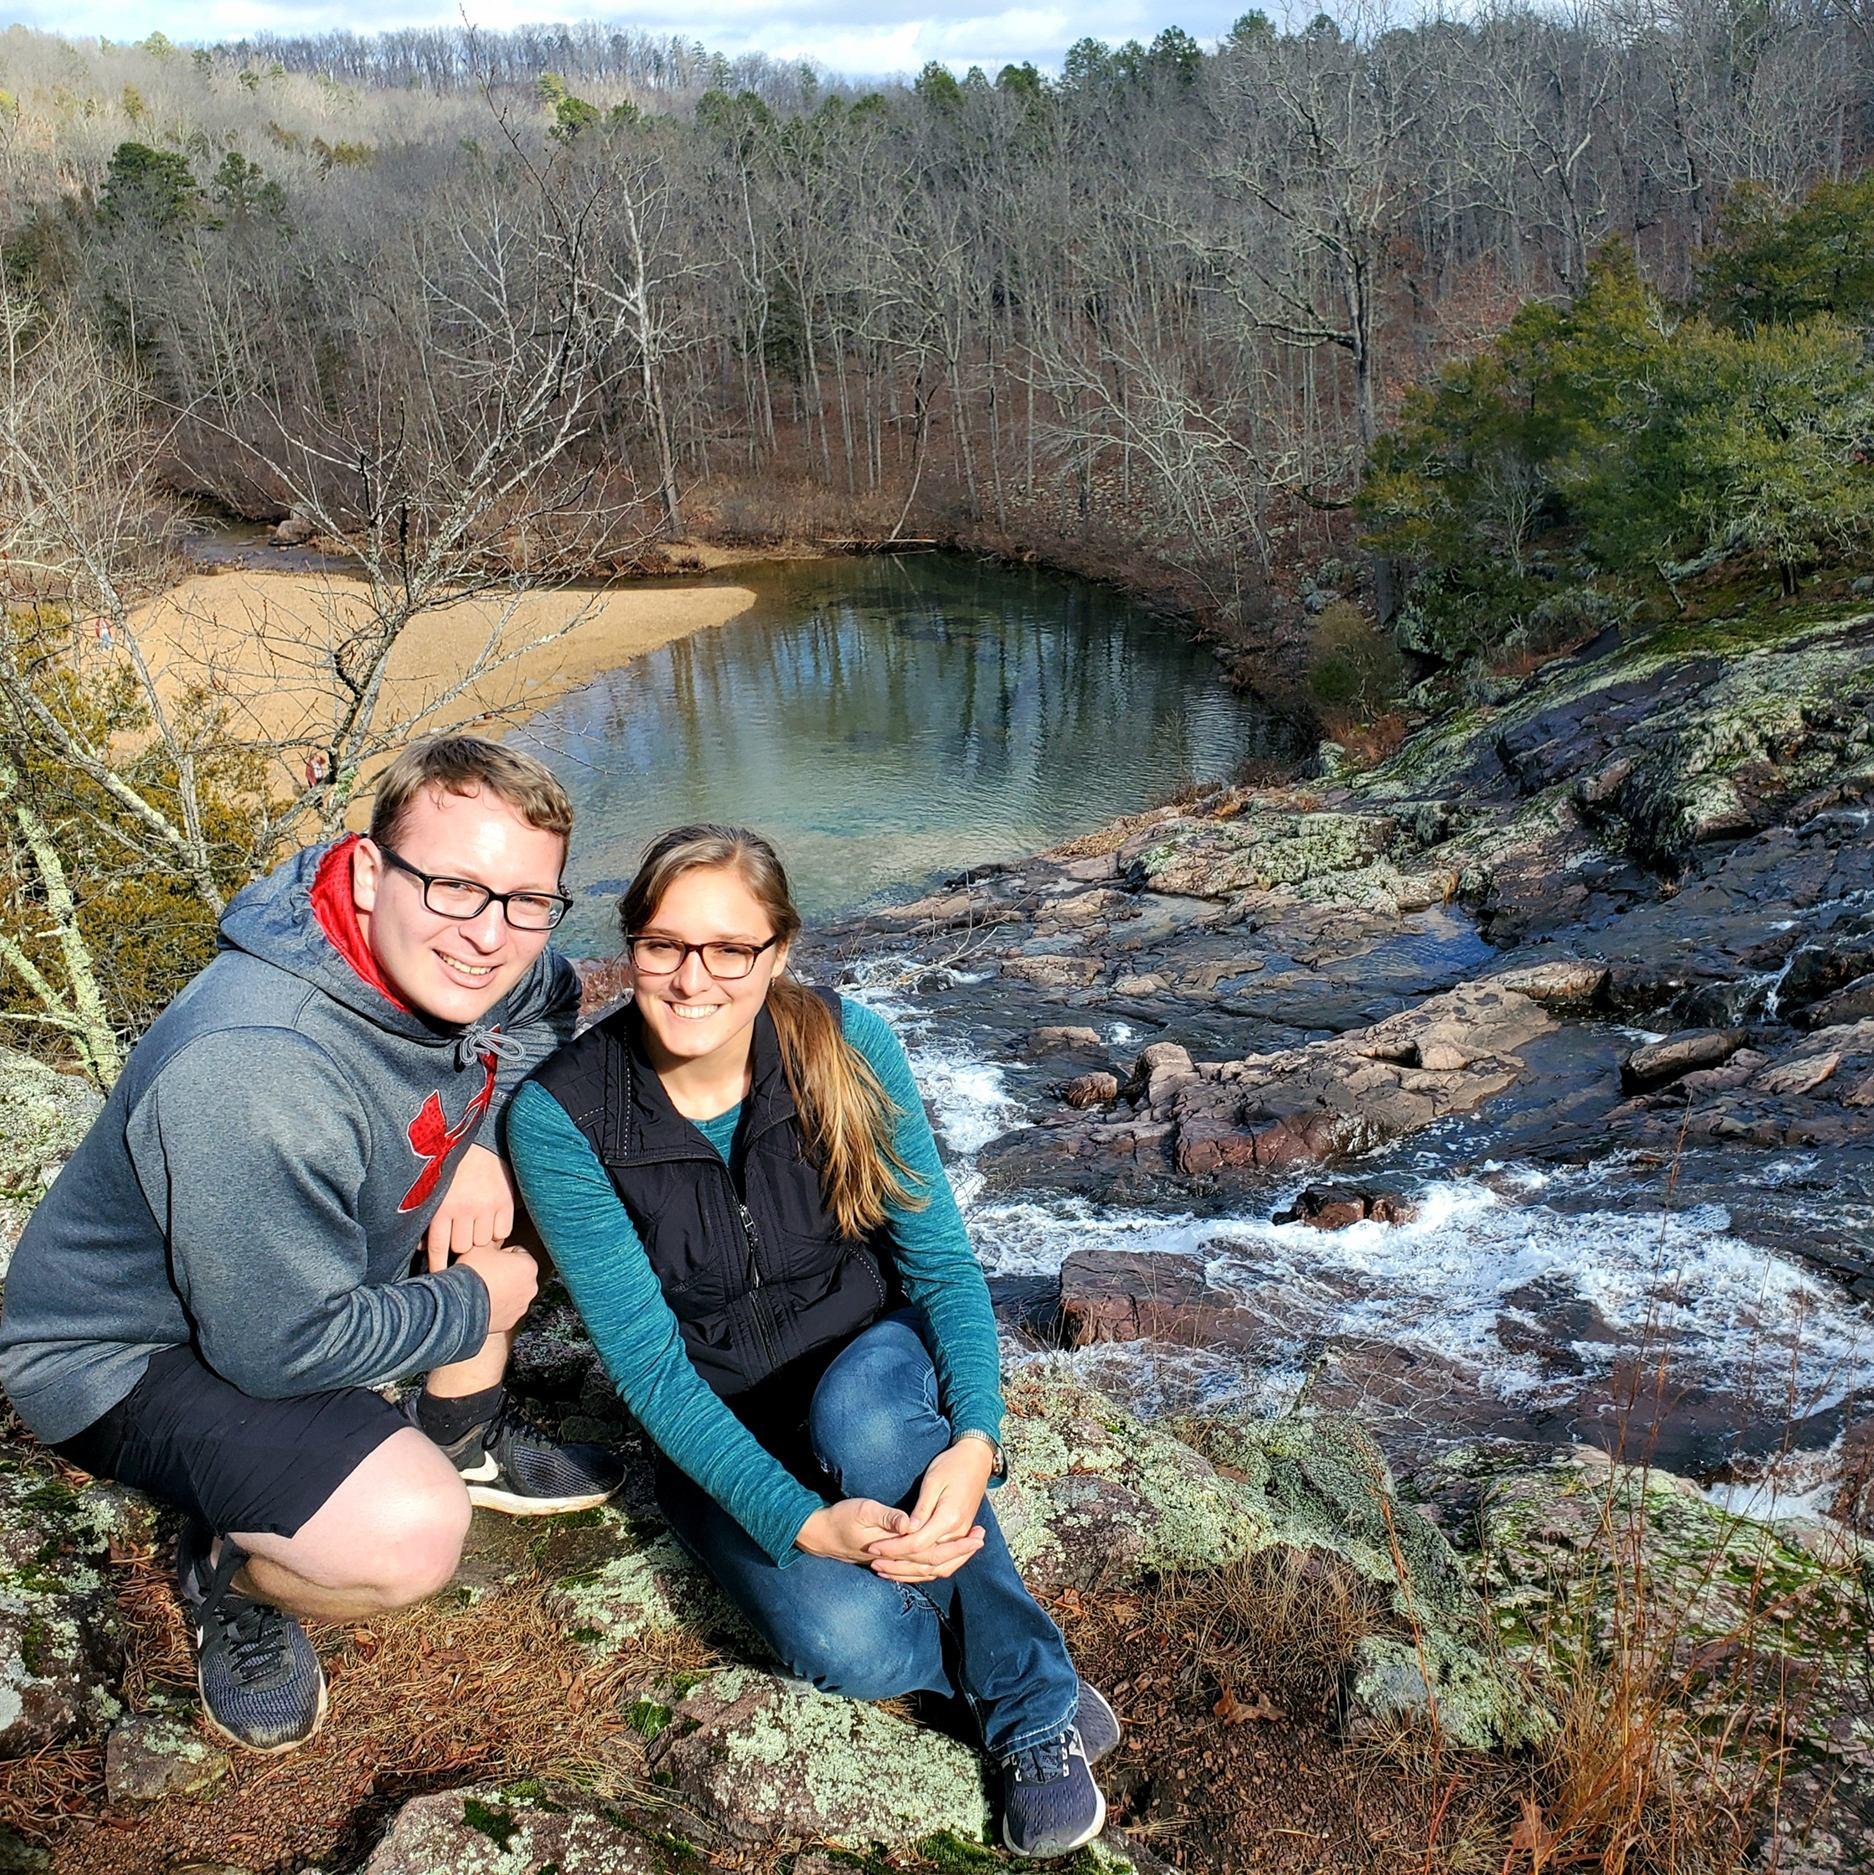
[(436, 1695), (1285, 1622)]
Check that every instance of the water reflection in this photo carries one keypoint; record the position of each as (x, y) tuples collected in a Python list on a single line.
[(887, 719)]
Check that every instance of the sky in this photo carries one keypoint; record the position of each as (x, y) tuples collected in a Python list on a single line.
[(856, 38)]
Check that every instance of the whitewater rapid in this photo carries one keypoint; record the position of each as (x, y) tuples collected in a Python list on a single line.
[(1532, 1283)]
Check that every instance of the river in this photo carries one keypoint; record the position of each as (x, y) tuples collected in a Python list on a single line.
[(888, 721)]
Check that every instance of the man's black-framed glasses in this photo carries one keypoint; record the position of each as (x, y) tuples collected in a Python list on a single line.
[(726, 962), (469, 898)]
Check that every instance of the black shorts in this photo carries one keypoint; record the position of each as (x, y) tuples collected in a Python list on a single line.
[(239, 1464)]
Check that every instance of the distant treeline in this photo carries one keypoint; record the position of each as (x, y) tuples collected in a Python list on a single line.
[(1153, 312)]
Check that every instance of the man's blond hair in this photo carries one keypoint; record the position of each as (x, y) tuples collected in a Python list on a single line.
[(462, 765)]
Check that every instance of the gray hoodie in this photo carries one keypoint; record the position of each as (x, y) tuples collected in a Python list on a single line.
[(262, 1175)]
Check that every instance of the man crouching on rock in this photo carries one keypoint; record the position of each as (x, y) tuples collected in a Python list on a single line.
[(204, 1300)]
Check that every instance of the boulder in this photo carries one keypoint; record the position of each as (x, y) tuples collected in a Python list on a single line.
[(1563, 983), (61, 1643), (486, 1830), (1326, 1208), (1051, 972), (1132, 1295), (769, 1759), (43, 1116), (155, 1754), (1655, 1064), (1091, 1090), (1309, 1105), (294, 531), (1058, 1038)]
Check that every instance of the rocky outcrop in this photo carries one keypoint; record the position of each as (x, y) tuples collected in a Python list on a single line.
[(489, 1830), (1317, 1104), (61, 1644), (1755, 1628), (43, 1116)]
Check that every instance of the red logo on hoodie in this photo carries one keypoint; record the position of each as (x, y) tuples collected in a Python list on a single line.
[(432, 1138)]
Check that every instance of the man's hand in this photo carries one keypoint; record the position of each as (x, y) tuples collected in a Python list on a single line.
[(844, 1530), (477, 1210), (511, 1277), (943, 1533)]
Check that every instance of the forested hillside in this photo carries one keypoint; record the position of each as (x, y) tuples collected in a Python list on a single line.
[(1148, 316), (1388, 353)]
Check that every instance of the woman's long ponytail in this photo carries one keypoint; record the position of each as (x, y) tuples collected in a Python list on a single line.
[(847, 1118)]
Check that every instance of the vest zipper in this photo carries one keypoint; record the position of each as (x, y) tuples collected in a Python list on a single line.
[(757, 1308), (754, 1244)]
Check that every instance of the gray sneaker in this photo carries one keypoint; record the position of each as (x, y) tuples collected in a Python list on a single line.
[(1098, 1723), (260, 1681), (513, 1467), (1050, 1803)]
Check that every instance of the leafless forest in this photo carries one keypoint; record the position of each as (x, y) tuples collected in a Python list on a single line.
[(1150, 313)]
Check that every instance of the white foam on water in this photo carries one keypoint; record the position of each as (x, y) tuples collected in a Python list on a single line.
[(1522, 1250), (1154, 1379), (968, 1101), (1034, 1237), (1472, 1263)]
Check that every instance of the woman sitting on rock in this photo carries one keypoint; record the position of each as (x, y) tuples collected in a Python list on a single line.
[(737, 1181)]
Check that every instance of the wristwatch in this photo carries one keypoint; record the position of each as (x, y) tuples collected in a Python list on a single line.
[(1000, 1469)]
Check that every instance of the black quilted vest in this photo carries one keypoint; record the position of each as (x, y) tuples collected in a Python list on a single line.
[(750, 1260)]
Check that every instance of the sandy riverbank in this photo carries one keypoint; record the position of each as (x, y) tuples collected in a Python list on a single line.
[(262, 642)]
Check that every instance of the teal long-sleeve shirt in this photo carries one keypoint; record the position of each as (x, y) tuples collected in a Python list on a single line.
[(609, 1276)]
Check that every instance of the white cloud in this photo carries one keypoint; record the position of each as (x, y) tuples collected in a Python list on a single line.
[(859, 38)]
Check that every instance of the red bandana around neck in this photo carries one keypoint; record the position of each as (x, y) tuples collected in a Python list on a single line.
[(337, 916)]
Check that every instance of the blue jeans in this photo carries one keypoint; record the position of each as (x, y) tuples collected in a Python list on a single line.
[(874, 1426)]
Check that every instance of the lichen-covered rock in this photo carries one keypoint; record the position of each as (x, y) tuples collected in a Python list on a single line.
[(485, 1830), (154, 1754), (43, 1116), (60, 1644), (767, 1758), (1261, 849), (1096, 1494), (1326, 1486), (614, 1580), (1757, 1628)]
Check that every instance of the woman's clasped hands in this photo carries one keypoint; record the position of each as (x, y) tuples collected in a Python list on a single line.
[(931, 1540)]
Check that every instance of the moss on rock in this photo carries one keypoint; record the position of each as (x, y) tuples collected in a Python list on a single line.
[(772, 1758)]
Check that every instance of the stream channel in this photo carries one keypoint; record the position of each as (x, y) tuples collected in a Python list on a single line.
[(891, 721)]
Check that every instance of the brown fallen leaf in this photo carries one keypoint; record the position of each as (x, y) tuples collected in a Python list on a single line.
[(1532, 1834), (1234, 1711)]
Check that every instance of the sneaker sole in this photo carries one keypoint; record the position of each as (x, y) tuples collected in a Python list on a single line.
[(1065, 1848), (512, 1504), (264, 1751)]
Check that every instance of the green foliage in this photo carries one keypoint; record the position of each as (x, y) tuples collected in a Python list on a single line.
[(1088, 64), (144, 925), (1177, 55), (242, 192), (1354, 668), (1251, 29), (1772, 268), (1620, 439), (937, 86), (1021, 80), (145, 187)]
